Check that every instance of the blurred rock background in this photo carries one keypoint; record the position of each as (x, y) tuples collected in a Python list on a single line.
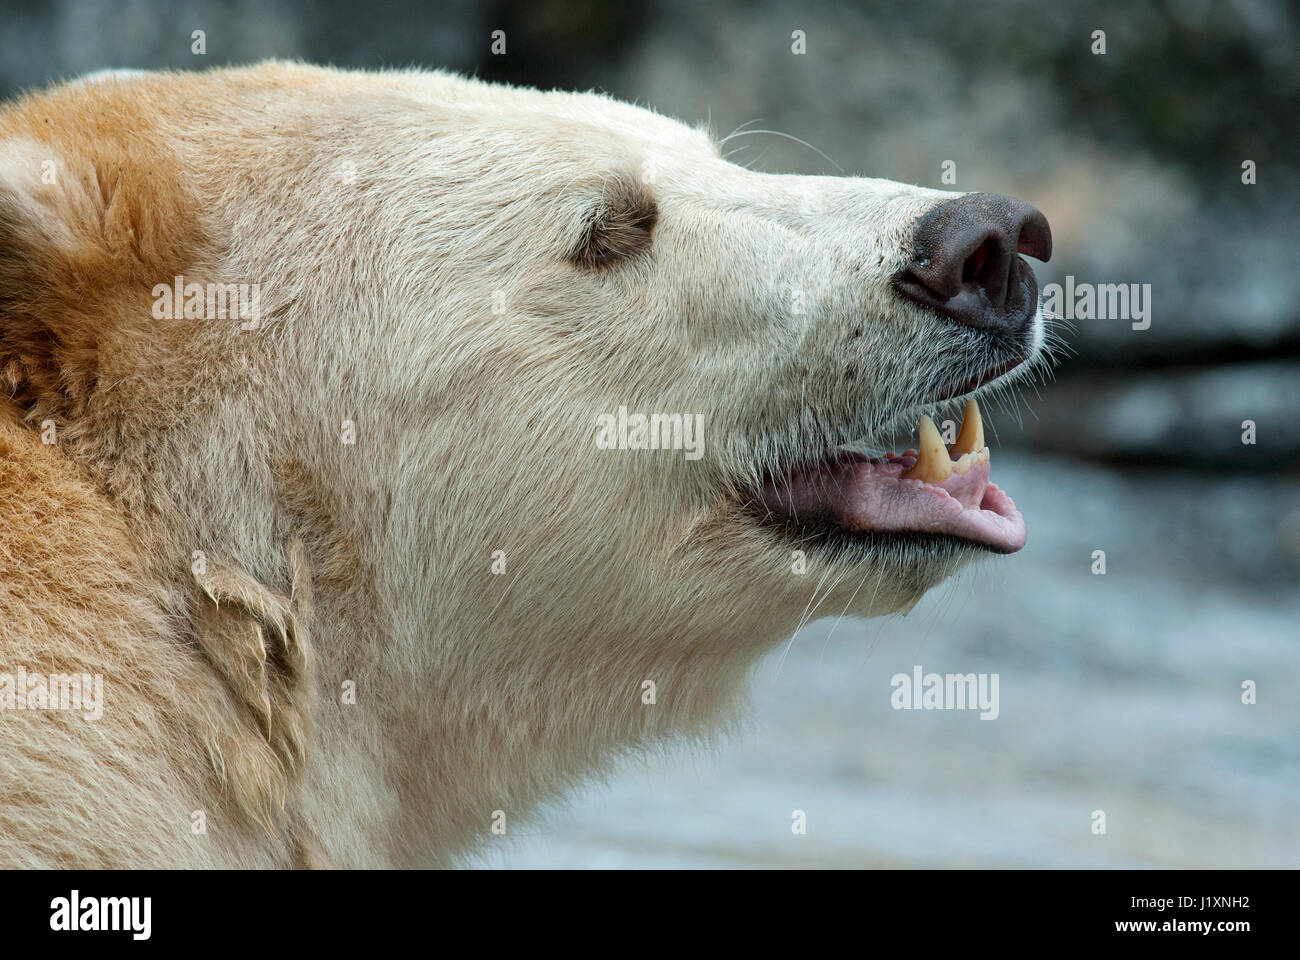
[(1129, 683)]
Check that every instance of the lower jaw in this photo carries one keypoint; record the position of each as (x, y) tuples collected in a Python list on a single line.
[(866, 574), (823, 534)]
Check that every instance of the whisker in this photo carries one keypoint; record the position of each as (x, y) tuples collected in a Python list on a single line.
[(778, 133)]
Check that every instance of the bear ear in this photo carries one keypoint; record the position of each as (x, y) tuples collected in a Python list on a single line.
[(619, 226), (49, 262)]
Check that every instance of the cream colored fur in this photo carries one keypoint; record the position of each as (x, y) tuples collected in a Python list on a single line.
[(410, 232)]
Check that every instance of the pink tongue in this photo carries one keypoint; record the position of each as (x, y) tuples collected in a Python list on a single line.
[(871, 496)]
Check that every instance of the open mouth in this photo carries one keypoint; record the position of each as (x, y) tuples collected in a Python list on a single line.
[(932, 491)]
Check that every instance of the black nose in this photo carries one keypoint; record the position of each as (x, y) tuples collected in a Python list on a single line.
[(965, 264)]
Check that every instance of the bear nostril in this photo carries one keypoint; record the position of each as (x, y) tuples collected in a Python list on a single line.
[(966, 265), (974, 266)]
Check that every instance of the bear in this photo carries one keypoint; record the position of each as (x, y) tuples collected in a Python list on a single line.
[(392, 450)]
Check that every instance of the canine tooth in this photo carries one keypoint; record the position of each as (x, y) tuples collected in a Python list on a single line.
[(933, 465), (971, 438)]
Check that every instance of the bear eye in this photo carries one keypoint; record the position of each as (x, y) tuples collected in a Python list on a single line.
[(616, 228)]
